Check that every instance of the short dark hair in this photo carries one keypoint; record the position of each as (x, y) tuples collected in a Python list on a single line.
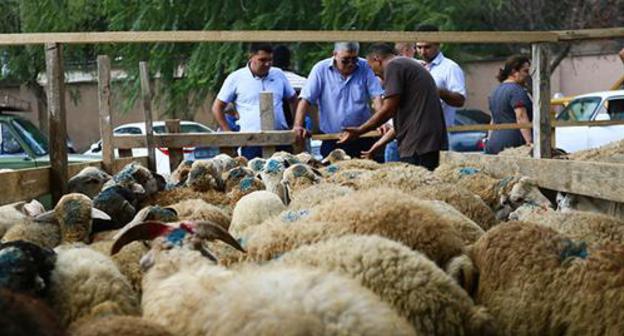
[(513, 63), (281, 57), (254, 48), (426, 27), (381, 49)]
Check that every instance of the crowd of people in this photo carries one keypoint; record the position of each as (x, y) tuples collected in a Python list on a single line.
[(412, 102)]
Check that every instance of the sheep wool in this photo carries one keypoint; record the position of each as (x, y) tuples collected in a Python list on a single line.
[(119, 326), (87, 284), (317, 194), (253, 209), (198, 210), (421, 292), (402, 177), (204, 176), (536, 281)]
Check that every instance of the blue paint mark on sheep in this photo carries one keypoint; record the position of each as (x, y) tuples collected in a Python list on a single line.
[(246, 183), (273, 166), (468, 170), (176, 237), (573, 250), (257, 165), (332, 169), (293, 216)]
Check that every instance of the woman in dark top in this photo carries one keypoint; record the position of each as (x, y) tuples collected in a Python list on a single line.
[(510, 103)]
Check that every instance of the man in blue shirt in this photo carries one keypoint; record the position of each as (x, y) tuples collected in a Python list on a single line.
[(243, 87), (342, 86)]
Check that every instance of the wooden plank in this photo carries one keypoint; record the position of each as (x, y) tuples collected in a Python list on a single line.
[(336, 136), (590, 34), (542, 130), (146, 97), (593, 179), (267, 119), (56, 118), (280, 36), (176, 153), (104, 109), (222, 139), (24, 184)]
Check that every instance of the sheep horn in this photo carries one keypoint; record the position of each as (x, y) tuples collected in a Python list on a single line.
[(46, 217), (144, 231), (208, 230)]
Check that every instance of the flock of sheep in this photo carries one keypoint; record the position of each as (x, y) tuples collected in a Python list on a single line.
[(292, 246)]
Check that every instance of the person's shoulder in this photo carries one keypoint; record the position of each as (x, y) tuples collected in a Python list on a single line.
[(450, 63), (238, 73), (323, 63)]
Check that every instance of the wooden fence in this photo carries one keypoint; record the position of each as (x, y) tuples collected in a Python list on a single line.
[(33, 182)]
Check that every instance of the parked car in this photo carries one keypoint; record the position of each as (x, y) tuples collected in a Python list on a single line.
[(469, 141), (162, 154), (605, 105), (24, 146)]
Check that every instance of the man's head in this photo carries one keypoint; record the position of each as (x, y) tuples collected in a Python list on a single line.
[(428, 51), (378, 56), (260, 58), (346, 56), (405, 49)]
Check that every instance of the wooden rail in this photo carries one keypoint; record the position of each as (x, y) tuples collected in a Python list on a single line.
[(593, 179)]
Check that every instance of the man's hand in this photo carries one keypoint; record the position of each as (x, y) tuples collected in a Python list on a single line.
[(385, 128), (349, 133), (300, 132)]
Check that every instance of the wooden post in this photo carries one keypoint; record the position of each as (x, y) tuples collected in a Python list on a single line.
[(146, 95), (104, 107), (267, 119), (542, 126), (56, 119), (176, 155)]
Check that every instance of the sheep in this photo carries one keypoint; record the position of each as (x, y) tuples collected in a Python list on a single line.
[(536, 281), (287, 159), (205, 175), (224, 162), (260, 300), (246, 186), (127, 260), (344, 177), (256, 164), (307, 158), (87, 284), (22, 315), (69, 221), (118, 201), (26, 267), (241, 161), (271, 175), (612, 152), (501, 195), (252, 209), (132, 174), (89, 181), (402, 177), (119, 325), (403, 278), (335, 156), (199, 210), (419, 224), (571, 202), (461, 199), (180, 174), (168, 197), (317, 194), (20, 213), (298, 177), (591, 227), (232, 177)]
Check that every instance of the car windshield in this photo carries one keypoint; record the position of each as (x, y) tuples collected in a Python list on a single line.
[(186, 128), (31, 135), (581, 109)]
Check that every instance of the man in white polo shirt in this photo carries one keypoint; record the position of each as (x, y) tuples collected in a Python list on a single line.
[(243, 87), (448, 76)]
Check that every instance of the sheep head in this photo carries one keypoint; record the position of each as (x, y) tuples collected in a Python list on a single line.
[(73, 213), (25, 267), (336, 155), (516, 191), (256, 164), (232, 177), (204, 176), (88, 181)]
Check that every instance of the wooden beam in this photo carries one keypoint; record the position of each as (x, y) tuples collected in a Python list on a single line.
[(104, 108), (176, 153), (279, 36), (336, 136), (542, 129), (590, 34), (222, 139), (267, 119), (57, 121), (146, 97), (593, 179)]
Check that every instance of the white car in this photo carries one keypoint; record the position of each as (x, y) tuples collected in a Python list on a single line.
[(162, 155), (606, 105)]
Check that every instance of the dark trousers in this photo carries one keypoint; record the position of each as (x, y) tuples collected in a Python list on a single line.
[(353, 148), (251, 152), (429, 160)]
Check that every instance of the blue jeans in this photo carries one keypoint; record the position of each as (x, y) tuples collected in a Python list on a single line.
[(391, 153), (251, 152)]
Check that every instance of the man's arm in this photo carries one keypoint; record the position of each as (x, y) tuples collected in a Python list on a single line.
[(388, 109), (454, 94), (218, 108), (302, 110), (387, 137), (452, 98), (523, 117)]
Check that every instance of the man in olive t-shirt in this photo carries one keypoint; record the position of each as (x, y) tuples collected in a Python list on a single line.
[(411, 99)]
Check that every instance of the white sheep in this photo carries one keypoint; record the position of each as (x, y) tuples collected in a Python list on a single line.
[(253, 209), (89, 181), (403, 278), (20, 213), (317, 194)]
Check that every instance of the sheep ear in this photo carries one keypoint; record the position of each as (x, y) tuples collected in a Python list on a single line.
[(210, 231), (99, 214), (46, 217), (144, 231), (137, 188), (34, 208)]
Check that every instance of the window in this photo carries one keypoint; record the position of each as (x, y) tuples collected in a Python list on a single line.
[(580, 109), (186, 128), (615, 108), (9, 145), (32, 136), (129, 130)]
